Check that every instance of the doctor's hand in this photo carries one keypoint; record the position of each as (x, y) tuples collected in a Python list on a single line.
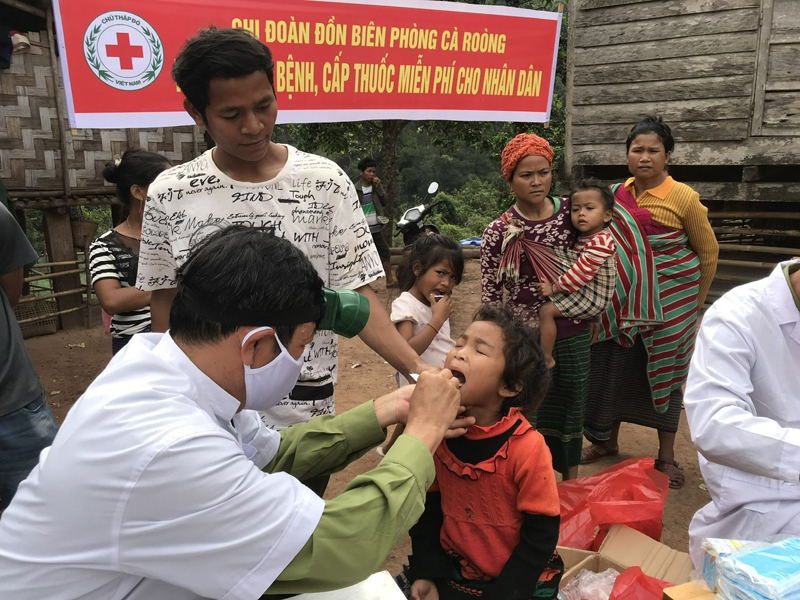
[(433, 407), (424, 589)]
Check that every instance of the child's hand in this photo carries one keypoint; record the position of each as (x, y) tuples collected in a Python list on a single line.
[(545, 288), (424, 589), (442, 309)]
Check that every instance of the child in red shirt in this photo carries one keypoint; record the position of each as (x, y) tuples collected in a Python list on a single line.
[(585, 289), (491, 519)]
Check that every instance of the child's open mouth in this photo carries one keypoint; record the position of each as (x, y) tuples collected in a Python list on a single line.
[(459, 375)]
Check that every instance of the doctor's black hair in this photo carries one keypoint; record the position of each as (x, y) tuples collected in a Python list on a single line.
[(245, 269), (218, 54), (525, 365)]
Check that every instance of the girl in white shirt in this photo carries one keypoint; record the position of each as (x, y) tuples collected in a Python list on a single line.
[(432, 268)]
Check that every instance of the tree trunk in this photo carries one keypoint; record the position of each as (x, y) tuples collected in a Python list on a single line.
[(391, 133)]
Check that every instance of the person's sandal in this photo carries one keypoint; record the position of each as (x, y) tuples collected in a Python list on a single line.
[(596, 452), (672, 470)]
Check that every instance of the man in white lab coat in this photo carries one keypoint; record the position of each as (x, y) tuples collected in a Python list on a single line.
[(164, 484), (743, 405)]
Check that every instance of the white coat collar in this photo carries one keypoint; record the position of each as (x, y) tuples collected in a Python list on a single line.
[(208, 395), (781, 296)]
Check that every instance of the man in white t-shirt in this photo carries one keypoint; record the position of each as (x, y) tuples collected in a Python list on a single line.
[(226, 76)]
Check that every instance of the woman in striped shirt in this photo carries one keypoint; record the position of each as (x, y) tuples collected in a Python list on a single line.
[(114, 256)]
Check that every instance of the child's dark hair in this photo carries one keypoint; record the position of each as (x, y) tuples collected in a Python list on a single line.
[(525, 364), (430, 250), (137, 167), (651, 124), (218, 54), (593, 184)]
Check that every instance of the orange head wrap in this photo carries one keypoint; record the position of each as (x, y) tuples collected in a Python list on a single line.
[(525, 144)]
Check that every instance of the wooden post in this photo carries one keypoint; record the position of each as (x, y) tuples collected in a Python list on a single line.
[(60, 110), (569, 156), (58, 238)]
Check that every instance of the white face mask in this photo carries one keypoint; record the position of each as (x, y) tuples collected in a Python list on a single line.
[(266, 386)]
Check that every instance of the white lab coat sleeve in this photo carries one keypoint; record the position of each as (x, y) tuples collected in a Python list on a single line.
[(722, 417), (202, 517)]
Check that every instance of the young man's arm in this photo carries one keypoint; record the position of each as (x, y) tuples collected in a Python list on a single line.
[(382, 336), (160, 303), (359, 527), (157, 265)]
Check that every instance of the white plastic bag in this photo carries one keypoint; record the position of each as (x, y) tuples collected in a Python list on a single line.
[(590, 586)]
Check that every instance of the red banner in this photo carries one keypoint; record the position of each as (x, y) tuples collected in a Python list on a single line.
[(334, 60)]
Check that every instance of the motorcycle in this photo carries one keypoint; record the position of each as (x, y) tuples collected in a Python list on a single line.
[(411, 225)]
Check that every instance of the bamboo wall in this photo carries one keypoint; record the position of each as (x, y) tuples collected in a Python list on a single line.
[(30, 130)]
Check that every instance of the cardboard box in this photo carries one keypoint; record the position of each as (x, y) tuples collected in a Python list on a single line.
[(625, 547), (688, 591), (379, 586)]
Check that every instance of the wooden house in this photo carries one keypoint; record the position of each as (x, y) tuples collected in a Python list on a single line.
[(725, 75)]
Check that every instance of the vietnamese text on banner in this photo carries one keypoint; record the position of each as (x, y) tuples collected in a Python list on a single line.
[(334, 61)]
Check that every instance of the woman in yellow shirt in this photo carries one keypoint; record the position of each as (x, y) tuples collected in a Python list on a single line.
[(646, 337)]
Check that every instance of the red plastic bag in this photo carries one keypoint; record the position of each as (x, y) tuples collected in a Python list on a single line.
[(631, 492), (633, 584)]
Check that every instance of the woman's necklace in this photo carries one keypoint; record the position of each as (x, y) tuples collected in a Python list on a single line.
[(133, 235), (547, 210)]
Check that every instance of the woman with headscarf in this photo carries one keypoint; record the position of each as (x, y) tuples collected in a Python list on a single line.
[(646, 338), (511, 265)]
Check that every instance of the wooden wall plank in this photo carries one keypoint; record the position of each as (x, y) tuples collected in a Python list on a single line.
[(701, 45), (782, 110), (694, 131), (596, 4), (625, 13), (668, 28), (765, 150), (669, 69), (714, 109), (785, 15), (654, 91), (784, 62), (749, 192)]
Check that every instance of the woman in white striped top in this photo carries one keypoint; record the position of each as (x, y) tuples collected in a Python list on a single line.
[(114, 256)]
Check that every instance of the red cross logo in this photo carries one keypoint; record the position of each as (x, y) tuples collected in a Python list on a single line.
[(124, 51)]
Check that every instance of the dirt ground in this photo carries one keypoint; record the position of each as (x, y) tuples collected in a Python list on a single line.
[(67, 371)]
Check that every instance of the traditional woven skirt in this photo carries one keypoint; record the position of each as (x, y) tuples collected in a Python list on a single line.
[(638, 371), (619, 391), (560, 418)]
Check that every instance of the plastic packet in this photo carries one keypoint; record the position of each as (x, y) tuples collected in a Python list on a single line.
[(633, 584), (631, 492), (759, 571), (590, 586), (713, 550)]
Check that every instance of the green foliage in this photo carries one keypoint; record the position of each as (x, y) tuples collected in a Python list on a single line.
[(468, 210), (454, 153)]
